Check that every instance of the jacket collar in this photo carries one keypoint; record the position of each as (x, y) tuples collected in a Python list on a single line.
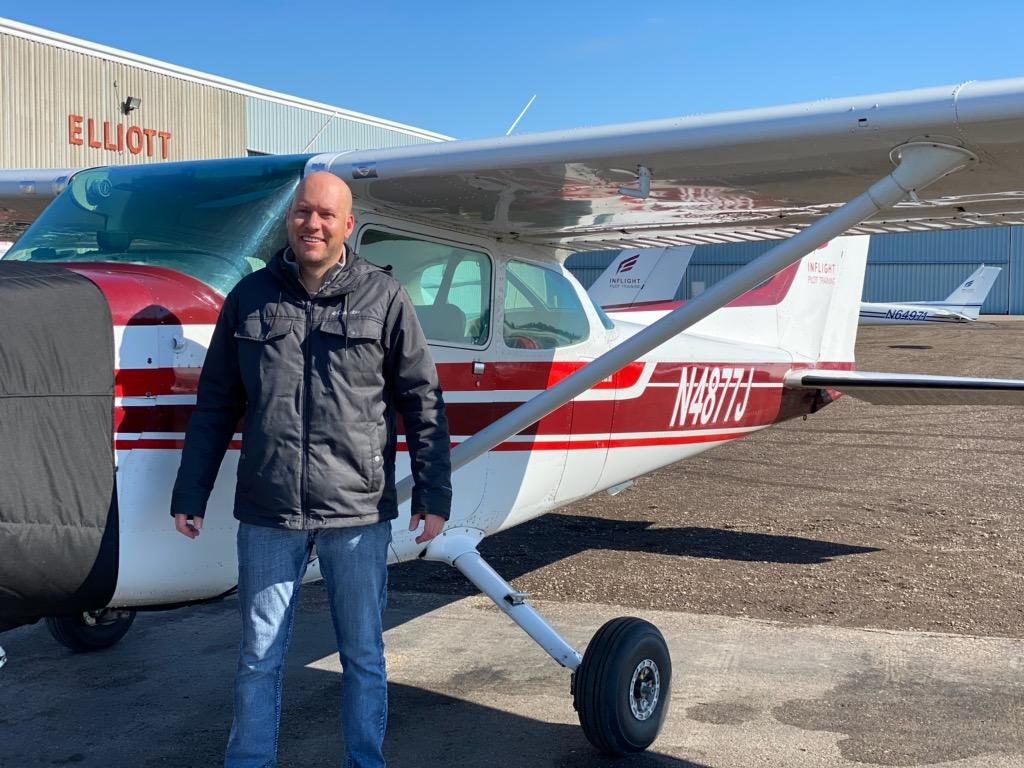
[(340, 279)]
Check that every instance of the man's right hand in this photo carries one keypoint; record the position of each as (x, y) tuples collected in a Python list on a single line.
[(188, 526)]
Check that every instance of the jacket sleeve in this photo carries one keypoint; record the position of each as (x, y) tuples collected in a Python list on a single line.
[(220, 403), (415, 392)]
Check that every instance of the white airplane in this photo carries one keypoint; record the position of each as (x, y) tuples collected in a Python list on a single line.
[(644, 282), (961, 306), (109, 299)]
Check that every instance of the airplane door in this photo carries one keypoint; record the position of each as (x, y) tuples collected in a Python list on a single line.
[(450, 287), (544, 331)]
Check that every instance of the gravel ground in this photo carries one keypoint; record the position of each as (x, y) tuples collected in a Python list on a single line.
[(859, 516)]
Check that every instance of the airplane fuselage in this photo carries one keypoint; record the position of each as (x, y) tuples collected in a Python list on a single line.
[(689, 395), (912, 314), (505, 322)]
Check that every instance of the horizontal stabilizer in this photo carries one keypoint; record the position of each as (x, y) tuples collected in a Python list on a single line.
[(911, 388)]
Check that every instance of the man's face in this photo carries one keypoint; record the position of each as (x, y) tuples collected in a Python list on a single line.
[(319, 220)]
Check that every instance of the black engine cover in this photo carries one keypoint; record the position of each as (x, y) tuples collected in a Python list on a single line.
[(58, 501)]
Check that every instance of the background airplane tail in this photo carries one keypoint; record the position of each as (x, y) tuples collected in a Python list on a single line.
[(641, 277), (972, 292)]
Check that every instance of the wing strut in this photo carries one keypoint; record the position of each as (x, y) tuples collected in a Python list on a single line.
[(918, 164)]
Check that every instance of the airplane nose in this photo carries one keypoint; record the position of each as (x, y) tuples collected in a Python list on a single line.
[(58, 529)]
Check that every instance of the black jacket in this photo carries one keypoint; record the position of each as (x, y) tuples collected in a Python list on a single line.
[(319, 381)]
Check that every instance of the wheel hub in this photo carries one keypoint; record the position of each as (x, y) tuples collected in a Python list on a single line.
[(644, 689)]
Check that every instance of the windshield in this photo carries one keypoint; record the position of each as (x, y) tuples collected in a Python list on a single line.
[(215, 220)]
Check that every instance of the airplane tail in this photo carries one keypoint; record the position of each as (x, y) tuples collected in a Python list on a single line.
[(972, 292), (810, 309), (640, 278), (819, 317)]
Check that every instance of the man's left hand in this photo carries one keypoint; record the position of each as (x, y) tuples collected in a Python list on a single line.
[(431, 527)]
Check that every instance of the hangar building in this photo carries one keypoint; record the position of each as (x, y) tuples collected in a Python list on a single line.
[(70, 103), (911, 266), (904, 266)]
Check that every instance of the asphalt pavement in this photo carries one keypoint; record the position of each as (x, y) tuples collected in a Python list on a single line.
[(469, 689)]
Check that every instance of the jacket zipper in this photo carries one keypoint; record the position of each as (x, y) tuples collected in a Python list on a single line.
[(306, 367)]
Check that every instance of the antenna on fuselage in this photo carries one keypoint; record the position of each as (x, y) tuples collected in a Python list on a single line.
[(516, 121)]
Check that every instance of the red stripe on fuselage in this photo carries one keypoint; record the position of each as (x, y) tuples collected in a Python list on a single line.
[(145, 382), (652, 411)]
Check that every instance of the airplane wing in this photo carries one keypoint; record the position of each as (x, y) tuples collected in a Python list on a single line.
[(728, 177), (910, 388), (25, 193)]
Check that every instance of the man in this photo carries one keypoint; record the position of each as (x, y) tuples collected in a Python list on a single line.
[(318, 351)]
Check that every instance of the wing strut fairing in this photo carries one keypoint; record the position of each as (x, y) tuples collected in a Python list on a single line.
[(919, 164)]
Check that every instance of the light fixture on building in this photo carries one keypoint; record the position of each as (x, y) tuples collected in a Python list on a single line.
[(131, 104)]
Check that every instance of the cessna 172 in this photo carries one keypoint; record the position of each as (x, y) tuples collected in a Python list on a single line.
[(644, 283), (108, 301), (961, 306)]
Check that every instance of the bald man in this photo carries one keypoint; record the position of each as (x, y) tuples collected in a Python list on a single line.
[(318, 352)]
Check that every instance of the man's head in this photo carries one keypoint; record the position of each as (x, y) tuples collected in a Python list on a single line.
[(319, 220)]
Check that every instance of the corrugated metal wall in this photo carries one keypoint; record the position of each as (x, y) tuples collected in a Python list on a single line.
[(919, 266), (280, 129), (43, 86), (927, 266)]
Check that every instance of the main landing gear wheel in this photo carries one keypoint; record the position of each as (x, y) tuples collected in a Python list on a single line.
[(90, 631), (621, 689)]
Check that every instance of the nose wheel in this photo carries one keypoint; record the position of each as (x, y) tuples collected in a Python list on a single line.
[(621, 690)]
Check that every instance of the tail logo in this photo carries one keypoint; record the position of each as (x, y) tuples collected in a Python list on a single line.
[(628, 264)]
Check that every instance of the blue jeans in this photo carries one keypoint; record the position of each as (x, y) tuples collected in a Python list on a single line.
[(271, 563)]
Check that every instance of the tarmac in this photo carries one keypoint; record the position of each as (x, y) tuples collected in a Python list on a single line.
[(468, 688)]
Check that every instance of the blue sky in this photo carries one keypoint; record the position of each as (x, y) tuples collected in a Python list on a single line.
[(467, 68)]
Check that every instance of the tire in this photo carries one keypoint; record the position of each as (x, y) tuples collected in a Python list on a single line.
[(79, 635), (622, 688)]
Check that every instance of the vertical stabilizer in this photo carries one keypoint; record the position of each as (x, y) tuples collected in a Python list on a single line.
[(818, 318), (972, 292)]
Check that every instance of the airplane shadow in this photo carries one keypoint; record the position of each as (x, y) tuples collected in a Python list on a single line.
[(555, 536)]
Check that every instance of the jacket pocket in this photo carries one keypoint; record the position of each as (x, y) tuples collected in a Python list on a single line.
[(256, 328), (378, 434), (353, 352), (357, 328), (267, 357)]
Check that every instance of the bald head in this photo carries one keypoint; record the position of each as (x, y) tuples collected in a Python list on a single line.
[(319, 220)]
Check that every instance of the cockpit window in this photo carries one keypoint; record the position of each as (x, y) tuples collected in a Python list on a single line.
[(216, 221), (450, 287), (542, 310)]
